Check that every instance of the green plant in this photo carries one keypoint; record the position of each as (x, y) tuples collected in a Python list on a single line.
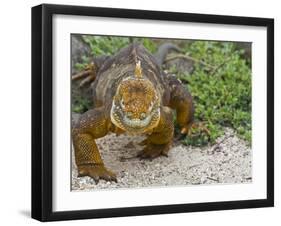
[(109, 45), (80, 104), (105, 45), (81, 66), (222, 96)]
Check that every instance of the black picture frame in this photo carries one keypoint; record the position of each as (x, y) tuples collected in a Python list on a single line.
[(42, 107)]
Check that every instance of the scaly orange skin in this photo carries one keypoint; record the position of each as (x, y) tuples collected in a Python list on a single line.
[(136, 99)]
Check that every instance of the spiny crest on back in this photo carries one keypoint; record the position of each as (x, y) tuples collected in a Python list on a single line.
[(138, 70)]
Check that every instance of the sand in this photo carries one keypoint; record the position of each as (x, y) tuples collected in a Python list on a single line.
[(227, 161)]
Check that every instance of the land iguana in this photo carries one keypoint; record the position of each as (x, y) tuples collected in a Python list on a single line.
[(131, 95)]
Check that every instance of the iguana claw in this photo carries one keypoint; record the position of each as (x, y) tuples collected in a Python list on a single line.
[(97, 172), (88, 75), (152, 151)]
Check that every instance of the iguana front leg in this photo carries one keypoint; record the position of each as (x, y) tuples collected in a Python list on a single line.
[(92, 125), (182, 102), (159, 141)]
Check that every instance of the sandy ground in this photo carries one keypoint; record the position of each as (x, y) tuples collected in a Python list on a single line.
[(228, 161)]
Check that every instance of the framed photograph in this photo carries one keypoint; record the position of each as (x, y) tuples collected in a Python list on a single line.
[(146, 112)]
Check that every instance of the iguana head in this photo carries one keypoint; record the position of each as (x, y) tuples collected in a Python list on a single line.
[(136, 104)]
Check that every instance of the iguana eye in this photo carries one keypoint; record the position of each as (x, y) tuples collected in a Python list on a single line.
[(150, 106), (122, 103)]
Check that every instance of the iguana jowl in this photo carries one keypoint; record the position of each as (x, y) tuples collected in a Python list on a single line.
[(131, 95)]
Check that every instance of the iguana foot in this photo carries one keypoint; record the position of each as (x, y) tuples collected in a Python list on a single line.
[(88, 75), (152, 151), (143, 143), (97, 172), (197, 126), (186, 128)]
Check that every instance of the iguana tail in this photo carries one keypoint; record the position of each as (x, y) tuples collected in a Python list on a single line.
[(163, 50)]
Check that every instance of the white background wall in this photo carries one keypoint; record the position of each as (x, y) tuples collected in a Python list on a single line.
[(15, 119)]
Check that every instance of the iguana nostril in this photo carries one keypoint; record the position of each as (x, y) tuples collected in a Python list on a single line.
[(142, 116), (130, 114)]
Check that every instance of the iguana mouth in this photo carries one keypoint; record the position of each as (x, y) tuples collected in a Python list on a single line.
[(137, 123), (134, 125)]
